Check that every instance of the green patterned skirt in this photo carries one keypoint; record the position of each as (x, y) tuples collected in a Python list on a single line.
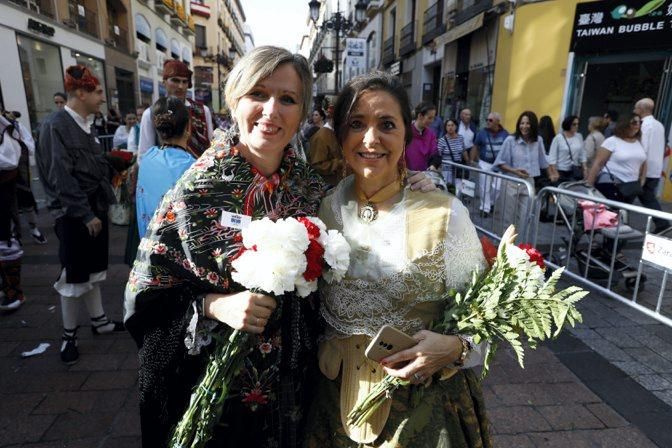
[(447, 414)]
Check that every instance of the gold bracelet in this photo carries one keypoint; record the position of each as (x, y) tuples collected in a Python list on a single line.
[(459, 362)]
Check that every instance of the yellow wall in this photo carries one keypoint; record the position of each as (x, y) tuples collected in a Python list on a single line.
[(531, 61)]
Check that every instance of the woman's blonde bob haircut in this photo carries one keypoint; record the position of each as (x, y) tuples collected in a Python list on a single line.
[(259, 64)]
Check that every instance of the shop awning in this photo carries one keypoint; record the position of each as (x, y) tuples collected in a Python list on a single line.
[(175, 48), (465, 28), (142, 28), (161, 39)]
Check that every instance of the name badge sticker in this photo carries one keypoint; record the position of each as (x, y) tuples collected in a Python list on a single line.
[(235, 220)]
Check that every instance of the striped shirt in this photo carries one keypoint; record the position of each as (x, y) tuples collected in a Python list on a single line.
[(451, 149)]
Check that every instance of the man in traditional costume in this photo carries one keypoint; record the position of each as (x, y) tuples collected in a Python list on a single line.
[(76, 179), (177, 79)]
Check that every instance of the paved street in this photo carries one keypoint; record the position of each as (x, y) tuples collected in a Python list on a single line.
[(607, 383)]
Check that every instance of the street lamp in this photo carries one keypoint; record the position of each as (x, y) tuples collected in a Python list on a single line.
[(338, 24)]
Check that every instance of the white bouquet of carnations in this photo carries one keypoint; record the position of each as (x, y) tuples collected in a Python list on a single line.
[(277, 257), (505, 303)]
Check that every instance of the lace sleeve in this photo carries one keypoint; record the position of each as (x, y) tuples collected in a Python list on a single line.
[(463, 255), (199, 330)]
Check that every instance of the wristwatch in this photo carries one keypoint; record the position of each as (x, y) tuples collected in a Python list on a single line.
[(466, 348)]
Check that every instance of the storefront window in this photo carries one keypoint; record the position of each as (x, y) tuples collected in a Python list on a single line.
[(479, 93), (42, 76)]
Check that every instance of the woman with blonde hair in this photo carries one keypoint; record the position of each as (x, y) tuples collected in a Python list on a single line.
[(596, 126)]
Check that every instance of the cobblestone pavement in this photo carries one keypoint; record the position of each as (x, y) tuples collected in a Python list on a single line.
[(606, 383)]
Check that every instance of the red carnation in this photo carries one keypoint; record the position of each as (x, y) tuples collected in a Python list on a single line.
[(311, 227), (314, 256), (489, 250), (534, 254)]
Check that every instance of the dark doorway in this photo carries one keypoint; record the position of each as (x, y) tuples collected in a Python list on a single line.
[(125, 91)]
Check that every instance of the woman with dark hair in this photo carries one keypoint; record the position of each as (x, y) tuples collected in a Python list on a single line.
[(546, 131), (619, 168), (100, 124), (567, 157), (451, 149), (163, 165), (408, 250), (523, 156)]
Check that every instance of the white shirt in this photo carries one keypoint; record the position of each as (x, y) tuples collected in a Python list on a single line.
[(625, 161), (130, 141), (84, 123), (148, 133), (467, 134), (653, 141), (120, 136), (559, 153)]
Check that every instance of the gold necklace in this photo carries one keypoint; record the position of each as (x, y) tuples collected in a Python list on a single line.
[(368, 211)]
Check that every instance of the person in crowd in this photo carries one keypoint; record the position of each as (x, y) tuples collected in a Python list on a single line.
[(329, 111), (76, 180), (177, 79), (11, 292), (467, 129), (523, 156), (393, 251), (113, 120), (26, 206), (134, 133), (566, 156), (487, 145), (60, 99), (653, 141), (610, 117), (99, 123), (620, 163), (594, 139), (120, 139), (316, 121), (325, 156), (437, 126), (163, 165), (423, 146), (547, 131), (451, 148)]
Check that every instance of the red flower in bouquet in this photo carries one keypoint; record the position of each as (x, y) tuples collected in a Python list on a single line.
[(534, 254), (489, 250), (314, 257)]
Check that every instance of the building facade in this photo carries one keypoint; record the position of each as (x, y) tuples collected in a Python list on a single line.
[(43, 37), (164, 29), (220, 40)]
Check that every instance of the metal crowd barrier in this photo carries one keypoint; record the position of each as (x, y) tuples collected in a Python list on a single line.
[(624, 261), (495, 200)]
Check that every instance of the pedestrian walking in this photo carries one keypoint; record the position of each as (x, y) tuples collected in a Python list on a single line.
[(523, 156), (11, 293), (325, 156), (423, 147), (566, 156), (619, 169), (76, 179), (611, 118), (177, 79), (59, 100), (487, 145), (596, 126), (653, 141), (546, 131), (120, 139), (451, 149)]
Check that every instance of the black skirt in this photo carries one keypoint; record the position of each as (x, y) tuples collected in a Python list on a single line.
[(80, 253)]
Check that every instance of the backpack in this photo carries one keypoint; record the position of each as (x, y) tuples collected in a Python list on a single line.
[(10, 148)]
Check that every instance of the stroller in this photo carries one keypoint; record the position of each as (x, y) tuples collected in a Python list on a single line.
[(594, 249)]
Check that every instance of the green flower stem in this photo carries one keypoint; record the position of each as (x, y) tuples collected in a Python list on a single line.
[(194, 429)]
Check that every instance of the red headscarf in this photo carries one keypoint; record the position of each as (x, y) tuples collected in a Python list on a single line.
[(173, 67), (80, 77)]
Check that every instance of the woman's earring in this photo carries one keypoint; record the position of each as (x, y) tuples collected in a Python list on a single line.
[(345, 170), (401, 165)]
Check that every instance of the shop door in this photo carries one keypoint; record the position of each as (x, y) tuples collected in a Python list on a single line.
[(614, 83), (125, 91)]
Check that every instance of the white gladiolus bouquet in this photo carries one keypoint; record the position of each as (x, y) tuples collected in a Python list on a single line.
[(277, 257)]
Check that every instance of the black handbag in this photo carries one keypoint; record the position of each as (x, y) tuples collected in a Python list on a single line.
[(577, 170), (627, 191)]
